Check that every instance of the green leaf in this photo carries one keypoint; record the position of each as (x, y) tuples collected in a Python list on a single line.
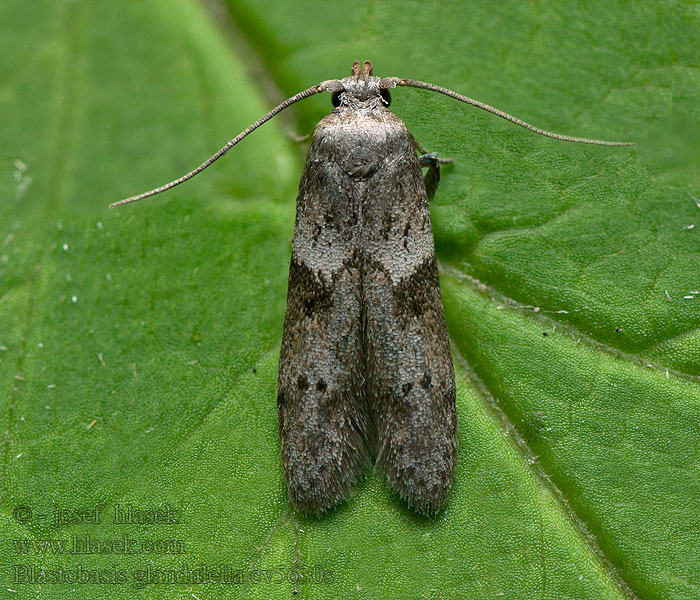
[(139, 347)]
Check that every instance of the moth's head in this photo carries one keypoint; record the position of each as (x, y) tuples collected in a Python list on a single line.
[(361, 88)]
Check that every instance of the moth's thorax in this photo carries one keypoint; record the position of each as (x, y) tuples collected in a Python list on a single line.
[(361, 135), (362, 185)]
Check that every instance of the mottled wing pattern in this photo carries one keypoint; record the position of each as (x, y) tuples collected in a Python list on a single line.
[(323, 416), (411, 384)]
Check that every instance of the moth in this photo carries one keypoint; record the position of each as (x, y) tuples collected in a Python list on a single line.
[(365, 369)]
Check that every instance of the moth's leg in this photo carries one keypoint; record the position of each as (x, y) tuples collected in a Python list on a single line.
[(432, 177), (297, 138), (418, 147), (430, 160), (322, 407)]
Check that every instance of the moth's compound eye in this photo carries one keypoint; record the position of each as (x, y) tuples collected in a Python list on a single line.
[(386, 97), (335, 99)]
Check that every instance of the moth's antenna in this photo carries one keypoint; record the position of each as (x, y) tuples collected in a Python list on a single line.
[(330, 85), (394, 81)]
